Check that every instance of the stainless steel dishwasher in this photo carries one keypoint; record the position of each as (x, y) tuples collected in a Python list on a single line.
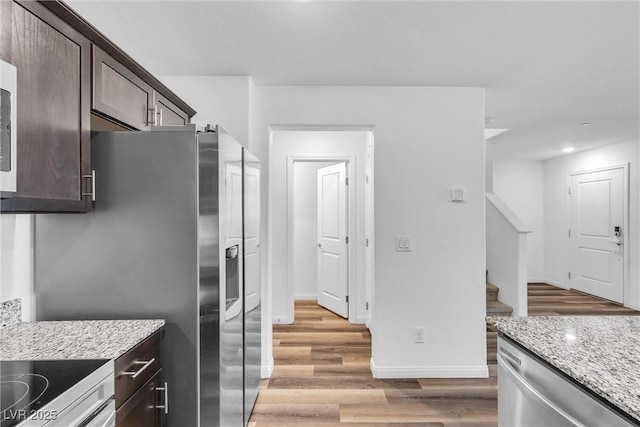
[(531, 393)]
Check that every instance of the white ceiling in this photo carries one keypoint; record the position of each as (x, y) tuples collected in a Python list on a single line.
[(547, 66)]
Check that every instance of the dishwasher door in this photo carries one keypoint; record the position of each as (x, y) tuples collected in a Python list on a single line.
[(532, 394)]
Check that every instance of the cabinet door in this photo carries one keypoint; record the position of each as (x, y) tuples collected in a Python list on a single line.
[(119, 94), (167, 113), (5, 30), (53, 129), (142, 408)]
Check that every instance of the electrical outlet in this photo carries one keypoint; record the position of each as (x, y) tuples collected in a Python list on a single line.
[(418, 335)]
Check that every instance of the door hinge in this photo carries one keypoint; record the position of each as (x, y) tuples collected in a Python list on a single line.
[(346, 180), (569, 275), (346, 239), (366, 305), (366, 242), (366, 179), (347, 299), (569, 190), (569, 232)]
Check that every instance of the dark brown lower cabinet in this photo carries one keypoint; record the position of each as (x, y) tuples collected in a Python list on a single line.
[(143, 409), (140, 393)]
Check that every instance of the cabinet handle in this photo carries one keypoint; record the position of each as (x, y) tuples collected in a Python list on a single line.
[(93, 185), (166, 398), (135, 374), (154, 114)]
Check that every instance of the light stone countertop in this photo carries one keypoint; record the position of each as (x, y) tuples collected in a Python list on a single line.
[(600, 352), (76, 339)]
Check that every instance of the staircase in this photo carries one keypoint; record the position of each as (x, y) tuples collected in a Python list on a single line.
[(494, 308)]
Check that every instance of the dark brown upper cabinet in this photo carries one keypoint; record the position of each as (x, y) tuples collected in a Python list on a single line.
[(120, 95), (72, 80), (123, 97), (167, 113), (53, 111)]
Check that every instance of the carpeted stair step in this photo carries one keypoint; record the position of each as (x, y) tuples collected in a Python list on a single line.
[(492, 292), (497, 308)]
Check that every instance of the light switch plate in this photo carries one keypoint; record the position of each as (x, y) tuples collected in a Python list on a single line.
[(403, 244), (457, 195)]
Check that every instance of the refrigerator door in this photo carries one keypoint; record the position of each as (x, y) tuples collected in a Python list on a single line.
[(232, 322), (252, 308)]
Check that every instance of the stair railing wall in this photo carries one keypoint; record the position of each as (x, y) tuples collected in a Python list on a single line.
[(506, 238)]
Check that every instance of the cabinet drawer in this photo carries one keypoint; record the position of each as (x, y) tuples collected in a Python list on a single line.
[(141, 410), (135, 367)]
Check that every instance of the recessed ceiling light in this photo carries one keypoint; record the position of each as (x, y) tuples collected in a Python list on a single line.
[(585, 124), (568, 149)]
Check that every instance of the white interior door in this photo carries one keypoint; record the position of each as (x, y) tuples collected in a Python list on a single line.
[(332, 239), (597, 205)]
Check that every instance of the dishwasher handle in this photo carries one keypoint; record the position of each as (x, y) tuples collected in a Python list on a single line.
[(532, 391)]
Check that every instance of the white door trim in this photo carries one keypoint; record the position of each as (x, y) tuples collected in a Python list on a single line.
[(351, 227), (625, 210)]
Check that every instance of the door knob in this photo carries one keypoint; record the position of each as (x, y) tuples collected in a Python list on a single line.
[(319, 245)]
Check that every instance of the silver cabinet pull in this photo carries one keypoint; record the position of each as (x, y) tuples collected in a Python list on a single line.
[(166, 398), (154, 114), (93, 185), (319, 245), (135, 374)]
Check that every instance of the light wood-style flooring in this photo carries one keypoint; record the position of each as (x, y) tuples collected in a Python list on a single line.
[(322, 378)]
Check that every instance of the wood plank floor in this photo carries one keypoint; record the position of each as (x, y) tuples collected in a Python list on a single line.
[(321, 376)]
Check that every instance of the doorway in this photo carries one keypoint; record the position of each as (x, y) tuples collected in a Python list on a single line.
[(295, 271), (598, 227), (320, 196)]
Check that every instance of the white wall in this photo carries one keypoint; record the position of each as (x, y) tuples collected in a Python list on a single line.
[(556, 210), (305, 229), (427, 140), (319, 144), (16, 262), (221, 100), (520, 185)]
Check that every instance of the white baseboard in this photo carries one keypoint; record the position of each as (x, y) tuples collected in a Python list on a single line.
[(359, 320), (536, 280), (480, 371), (281, 320), (267, 370), (554, 283)]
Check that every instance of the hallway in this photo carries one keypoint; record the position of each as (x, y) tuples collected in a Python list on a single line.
[(322, 378)]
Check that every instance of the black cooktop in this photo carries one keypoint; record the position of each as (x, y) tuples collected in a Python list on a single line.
[(28, 385)]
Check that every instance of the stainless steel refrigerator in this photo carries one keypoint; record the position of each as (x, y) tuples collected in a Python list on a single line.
[(174, 234)]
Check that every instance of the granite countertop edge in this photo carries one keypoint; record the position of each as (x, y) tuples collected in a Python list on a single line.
[(74, 339), (599, 362)]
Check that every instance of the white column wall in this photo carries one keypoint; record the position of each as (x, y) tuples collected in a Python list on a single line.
[(427, 140), (520, 185)]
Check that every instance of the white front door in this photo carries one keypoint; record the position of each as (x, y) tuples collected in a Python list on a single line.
[(596, 256), (332, 235)]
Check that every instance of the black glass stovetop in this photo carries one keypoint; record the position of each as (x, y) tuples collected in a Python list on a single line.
[(28, 385)]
